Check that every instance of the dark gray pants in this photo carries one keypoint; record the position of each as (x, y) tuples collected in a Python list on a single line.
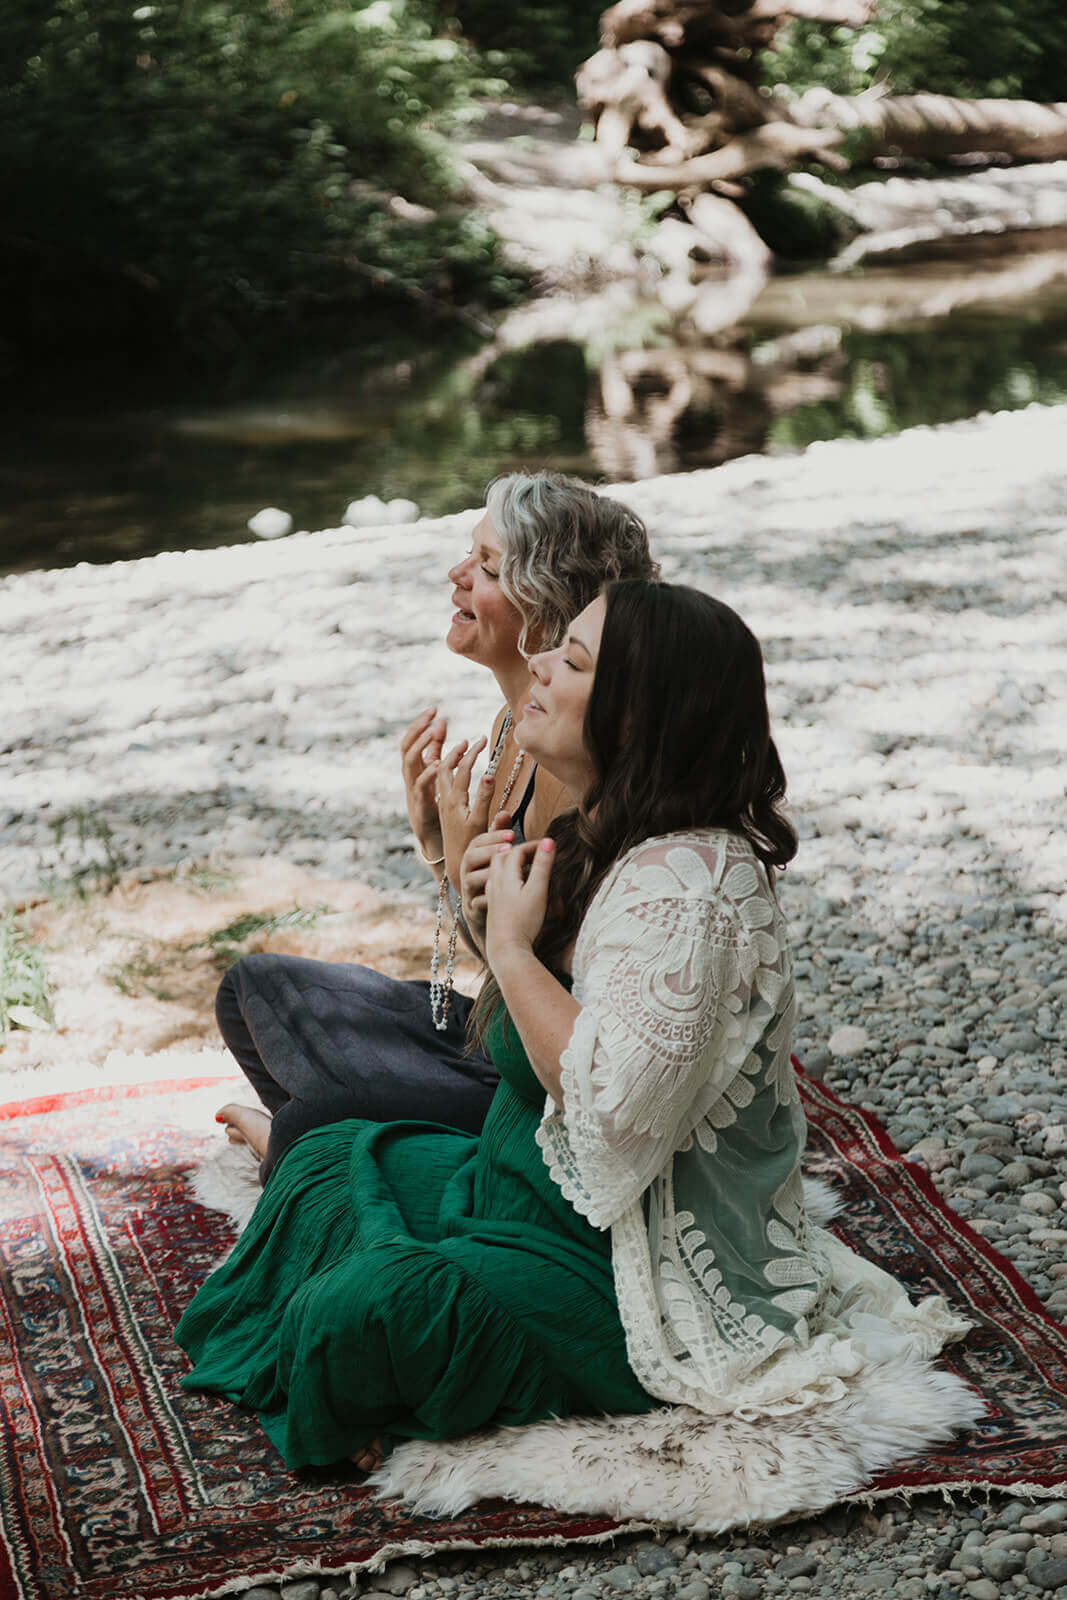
[(320, 1041)]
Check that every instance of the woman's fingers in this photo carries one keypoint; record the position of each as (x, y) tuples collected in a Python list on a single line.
[(466, 763), (451, 760), (483, 799), (422, 742), (480, 851), (416, 728), (425, 786), (539, 868), (455, 774)]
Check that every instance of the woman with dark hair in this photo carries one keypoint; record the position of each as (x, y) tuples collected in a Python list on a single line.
[(630, 1227), (320, 1041)]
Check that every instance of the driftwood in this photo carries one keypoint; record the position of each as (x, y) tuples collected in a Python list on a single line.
[(675, 97), (704, 23), (627, 88), (937, 125), (776, 144), (681, 76)]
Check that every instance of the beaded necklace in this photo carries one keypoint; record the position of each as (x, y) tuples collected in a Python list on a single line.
[(441, 988)]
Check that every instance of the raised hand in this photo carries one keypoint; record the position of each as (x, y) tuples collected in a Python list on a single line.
[(420, 752), (454, 809), (477, 859), (517, 897)]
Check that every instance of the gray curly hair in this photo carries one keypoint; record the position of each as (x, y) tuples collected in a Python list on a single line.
[(562, 541)]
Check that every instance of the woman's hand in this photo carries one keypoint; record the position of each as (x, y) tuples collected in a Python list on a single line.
[(517, 897), (420, 752), (460, 820), (477, 859)]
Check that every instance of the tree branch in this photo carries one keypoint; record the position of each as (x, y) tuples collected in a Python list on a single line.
[(776, 144), (837, 13)]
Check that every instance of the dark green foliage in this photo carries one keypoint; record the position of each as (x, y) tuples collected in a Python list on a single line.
[(190, 165), (537, 44), (959, 47), (795, 225)]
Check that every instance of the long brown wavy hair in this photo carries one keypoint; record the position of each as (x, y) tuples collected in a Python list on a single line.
[(679, 735)]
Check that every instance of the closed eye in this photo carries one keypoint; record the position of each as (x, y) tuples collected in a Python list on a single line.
[(487, 572)]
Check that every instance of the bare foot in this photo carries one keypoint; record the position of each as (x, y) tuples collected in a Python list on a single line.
[(370, 1457), (245, 1125)]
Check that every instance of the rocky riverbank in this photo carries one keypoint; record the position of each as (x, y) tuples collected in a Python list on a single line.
[(910, 595)]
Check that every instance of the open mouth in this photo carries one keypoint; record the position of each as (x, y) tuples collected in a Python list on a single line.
[(534, 705)]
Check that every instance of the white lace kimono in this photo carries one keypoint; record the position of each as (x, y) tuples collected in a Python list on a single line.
[(682, 1131)]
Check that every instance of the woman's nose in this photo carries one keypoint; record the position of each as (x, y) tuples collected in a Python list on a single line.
[(460, 573), (537, 665)]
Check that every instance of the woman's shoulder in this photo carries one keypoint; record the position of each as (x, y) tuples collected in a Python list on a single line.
[(691, 864), (682, 883)]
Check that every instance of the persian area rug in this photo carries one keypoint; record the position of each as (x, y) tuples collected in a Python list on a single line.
[(114, 1483)]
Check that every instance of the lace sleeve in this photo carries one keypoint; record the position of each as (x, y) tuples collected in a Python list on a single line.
[(677, 967)]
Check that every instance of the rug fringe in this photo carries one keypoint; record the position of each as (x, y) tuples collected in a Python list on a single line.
[(352, 1570)]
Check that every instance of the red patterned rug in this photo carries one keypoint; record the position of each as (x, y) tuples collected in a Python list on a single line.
[(116, 1484), (1016, 1354)]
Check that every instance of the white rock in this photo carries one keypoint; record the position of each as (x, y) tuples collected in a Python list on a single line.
[(848, 1041), (370, 512), (1036, 1200), (271, 523)]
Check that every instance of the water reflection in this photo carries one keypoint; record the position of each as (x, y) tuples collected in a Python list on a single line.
[(103, 486)]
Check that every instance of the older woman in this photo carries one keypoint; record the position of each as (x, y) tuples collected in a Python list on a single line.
[(630, 1227), (320, 1041)]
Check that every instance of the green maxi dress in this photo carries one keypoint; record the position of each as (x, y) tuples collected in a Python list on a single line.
[(407, 1281)]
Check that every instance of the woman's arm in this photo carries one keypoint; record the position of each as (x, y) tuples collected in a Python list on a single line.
[(540, 1007), (420, 753)]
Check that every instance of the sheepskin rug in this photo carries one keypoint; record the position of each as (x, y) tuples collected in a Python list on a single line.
[(673, 1466)]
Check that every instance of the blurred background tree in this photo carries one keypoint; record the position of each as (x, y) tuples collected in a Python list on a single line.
[(960, 47), (537, 44), (185, 177), (182, 168)]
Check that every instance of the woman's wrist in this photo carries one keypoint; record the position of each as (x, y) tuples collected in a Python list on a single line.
[(509, 960), (433, 853)]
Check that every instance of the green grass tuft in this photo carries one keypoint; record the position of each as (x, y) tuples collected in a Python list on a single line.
[(23, 980), (226, 943)]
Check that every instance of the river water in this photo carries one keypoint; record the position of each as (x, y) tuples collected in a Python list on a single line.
[(112, 482)]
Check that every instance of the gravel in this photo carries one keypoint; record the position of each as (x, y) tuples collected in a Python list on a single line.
[(909, 594)]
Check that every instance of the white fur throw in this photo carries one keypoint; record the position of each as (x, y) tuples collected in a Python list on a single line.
[(673, 1466)]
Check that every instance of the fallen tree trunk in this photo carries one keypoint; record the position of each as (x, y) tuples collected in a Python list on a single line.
[(939, 125), (703, 23)]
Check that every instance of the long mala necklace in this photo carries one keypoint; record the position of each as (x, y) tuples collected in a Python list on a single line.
[(441, 989)]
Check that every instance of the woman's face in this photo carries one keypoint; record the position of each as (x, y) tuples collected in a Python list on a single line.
[(486, 626), (550, 726)]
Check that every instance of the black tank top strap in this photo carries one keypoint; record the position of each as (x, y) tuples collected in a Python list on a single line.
[(521, 809)]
